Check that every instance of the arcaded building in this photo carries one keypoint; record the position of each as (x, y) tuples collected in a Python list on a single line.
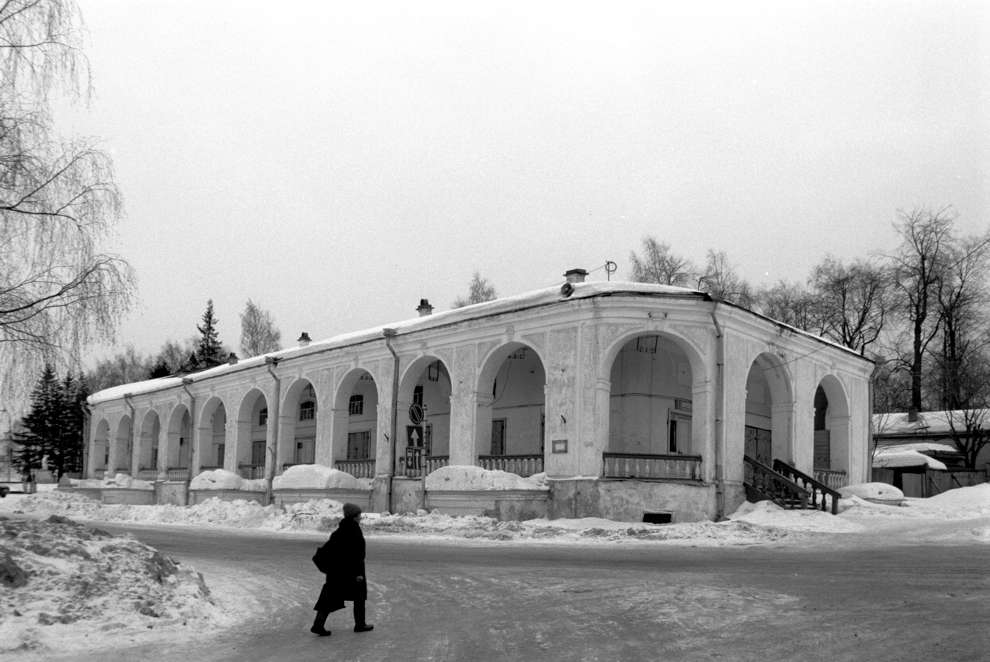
[(632, 398)]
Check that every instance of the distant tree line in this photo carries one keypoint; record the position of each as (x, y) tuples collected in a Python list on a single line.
[(921, 311), (200, 351)]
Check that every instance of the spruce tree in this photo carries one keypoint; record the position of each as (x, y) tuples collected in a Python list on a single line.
[(41, 426), (67, 455), (209, 351)]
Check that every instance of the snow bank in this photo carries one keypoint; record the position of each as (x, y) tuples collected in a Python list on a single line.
[(960, 515), (317, 477), (462, 477), (880, 492), (767, 513), (66, 585), (216, 479), (125, 481)]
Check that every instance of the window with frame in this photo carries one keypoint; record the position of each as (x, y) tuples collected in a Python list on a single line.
[(355, 407), (307, 411), (418, 395), (263, 416), (359, 445)]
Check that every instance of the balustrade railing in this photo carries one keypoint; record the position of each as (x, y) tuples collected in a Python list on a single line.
[(144, 473), (177, 473), (831, 477), (358, 468), (522, 465), (416, 464), (822, 497), (251, 471), (643, 465)]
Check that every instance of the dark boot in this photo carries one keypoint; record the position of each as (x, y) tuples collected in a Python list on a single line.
[(359, 624), (318, 624)]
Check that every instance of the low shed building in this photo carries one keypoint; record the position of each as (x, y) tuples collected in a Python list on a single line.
[(633, 399)]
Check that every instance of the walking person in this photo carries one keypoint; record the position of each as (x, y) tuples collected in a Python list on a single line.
[(343, 565)]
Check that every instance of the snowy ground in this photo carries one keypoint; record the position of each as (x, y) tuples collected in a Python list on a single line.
[(68, 587)]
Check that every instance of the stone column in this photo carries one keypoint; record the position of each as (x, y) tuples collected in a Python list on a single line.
[(464, 426), (483, 423), (331, 436), (95, 448), (703, 425), (783, 444), (230, 445)]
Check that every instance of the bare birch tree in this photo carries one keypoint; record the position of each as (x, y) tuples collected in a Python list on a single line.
[(791, 303), (59, 291), (258, 332), (962, 303), (479, 290), (918, 272), (852, 301), (659, 264), (721, 280)]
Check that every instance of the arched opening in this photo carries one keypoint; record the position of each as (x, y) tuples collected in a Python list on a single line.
[(650, 432), (252, 435), (121, 452), (424, 417), (178, 444), (100, 450), (148, 446), (212, 435), (355, 428), (769, 411), (831, 452), (511, 420), (298, 415)]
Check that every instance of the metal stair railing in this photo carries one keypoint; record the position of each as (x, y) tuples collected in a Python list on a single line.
[(774, 486), (823, 497)]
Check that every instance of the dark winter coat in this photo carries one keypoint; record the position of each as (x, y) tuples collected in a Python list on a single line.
[(345, 551)]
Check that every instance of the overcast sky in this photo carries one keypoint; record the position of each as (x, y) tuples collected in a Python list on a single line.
[(336, 162)]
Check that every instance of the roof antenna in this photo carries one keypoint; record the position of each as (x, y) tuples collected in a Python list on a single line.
[(610, 268)]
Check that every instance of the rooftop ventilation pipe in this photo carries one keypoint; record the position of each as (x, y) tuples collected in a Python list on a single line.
[(424, 308), (303, 339), (232, 359)]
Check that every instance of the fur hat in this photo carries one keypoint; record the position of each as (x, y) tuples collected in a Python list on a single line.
[(351, 510)]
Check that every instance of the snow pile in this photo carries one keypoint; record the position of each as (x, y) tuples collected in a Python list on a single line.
[(64, 585), (216, 479), (471, 478), (877, 492), (767, 513), (317, 477), (92, 483), (959, 515), (126, 482)]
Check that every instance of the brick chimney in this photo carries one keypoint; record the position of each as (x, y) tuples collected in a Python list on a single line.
[(424, 308), (575, 275)]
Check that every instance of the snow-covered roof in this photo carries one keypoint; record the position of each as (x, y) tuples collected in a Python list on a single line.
[(535, 298), (928, 423), (918, 446), (896, 457)]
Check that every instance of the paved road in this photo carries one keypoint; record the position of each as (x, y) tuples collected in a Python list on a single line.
[(449, 601)]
